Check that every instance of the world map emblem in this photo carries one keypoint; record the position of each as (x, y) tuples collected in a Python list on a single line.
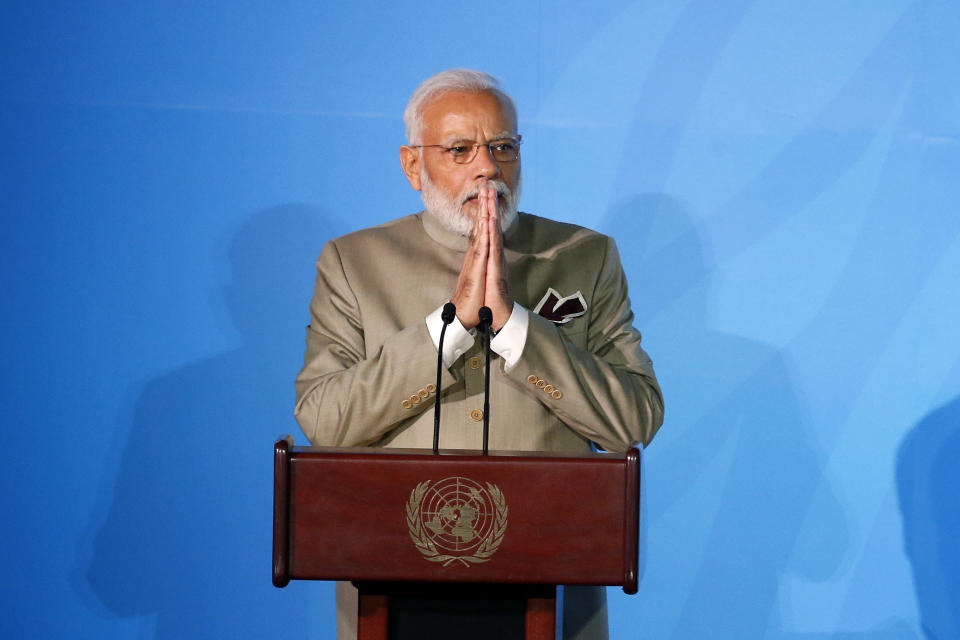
[(457, 520)]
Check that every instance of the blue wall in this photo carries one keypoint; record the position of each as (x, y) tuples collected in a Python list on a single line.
[(782, 180)]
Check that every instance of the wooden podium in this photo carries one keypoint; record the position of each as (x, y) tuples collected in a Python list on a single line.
[(425, 536)]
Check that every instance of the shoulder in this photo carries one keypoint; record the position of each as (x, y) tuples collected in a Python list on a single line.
[(535, 234), (388, 232), (353, 250), (401, 235)]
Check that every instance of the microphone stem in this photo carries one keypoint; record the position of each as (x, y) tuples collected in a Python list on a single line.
[(486, 396), (436, 405)]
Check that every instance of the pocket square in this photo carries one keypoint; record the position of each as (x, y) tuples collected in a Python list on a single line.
[(561, 310)]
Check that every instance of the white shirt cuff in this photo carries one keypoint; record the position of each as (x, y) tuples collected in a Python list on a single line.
[(512, 337), (456, 341)]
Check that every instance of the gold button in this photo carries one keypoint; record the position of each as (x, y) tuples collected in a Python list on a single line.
[(423, 394), (548, 389), (557, 394), (477, 415), (532, 379), (406, 404), (431, 388), (541, 384), (415, 399), (475, 362)]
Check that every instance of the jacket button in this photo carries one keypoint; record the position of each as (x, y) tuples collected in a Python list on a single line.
[(475, 362), (406, 404), (477, 415), (416, 399), (557, 394), (541, 384), (423, 394), (431, 388), (532, 379), (548, 389)]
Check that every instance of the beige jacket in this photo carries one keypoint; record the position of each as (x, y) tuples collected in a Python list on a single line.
[(370, 365)]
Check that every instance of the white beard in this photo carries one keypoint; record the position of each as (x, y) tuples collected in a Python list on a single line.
[(449, 211)]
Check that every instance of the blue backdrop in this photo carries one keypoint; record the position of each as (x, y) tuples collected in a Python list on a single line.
[(781, 178)]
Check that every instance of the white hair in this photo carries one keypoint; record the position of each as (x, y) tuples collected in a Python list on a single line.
[(451, 80)]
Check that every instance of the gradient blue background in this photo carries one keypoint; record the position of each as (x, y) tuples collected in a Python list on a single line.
[(781, 178)]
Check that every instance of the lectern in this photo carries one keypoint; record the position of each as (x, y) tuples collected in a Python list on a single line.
[(439, 539)]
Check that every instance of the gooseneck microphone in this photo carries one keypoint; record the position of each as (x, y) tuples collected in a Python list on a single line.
[(447, 315), (486, 322)]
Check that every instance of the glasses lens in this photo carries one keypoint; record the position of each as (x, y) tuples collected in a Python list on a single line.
[(462, 153), (505, 150)]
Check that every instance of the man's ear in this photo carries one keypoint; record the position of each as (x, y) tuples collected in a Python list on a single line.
[(410, 161)]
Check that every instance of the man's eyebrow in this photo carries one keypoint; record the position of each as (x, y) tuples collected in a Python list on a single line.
[(455, 140)]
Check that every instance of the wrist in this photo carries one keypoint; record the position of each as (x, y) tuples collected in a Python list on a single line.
[(502, 317)]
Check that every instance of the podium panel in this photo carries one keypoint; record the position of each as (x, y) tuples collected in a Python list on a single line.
[(382, 515), (442, 539)]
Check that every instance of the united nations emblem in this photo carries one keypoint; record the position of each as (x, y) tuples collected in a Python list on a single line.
[(456, 519)]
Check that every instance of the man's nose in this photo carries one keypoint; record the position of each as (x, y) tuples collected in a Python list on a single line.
[(484, 164)]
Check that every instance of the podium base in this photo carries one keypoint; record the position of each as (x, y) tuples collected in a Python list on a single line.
[(407, 611)]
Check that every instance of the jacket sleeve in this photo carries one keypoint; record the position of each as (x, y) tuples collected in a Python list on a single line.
[(608, 390), (348, 395)]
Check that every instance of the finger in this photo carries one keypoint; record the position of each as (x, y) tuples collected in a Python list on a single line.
[(495, 233), (492, 209), (496, 262), (497, 294), (477, 255), (471, 282), (495, 238), (481, 206), (479, 221)]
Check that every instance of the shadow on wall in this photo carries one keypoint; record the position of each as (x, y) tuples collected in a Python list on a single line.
[(187, 537), (735, 472), (928, 479)]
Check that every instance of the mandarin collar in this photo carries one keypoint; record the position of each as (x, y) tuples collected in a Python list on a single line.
[(452, 240)]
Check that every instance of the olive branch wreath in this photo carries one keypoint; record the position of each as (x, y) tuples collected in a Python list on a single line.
[(427, 547)]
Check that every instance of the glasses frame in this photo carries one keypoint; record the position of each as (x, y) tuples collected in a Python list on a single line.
[(476, 148)]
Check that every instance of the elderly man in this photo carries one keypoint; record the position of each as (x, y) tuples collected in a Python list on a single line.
[(567, 370)]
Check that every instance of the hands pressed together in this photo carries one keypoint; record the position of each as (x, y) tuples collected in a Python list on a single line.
[(483, 277)]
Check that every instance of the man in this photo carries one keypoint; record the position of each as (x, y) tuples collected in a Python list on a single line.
[(568, 368)]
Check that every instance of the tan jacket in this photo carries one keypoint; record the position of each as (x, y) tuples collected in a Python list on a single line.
[(370, 365)]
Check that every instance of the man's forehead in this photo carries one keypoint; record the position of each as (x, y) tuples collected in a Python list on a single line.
[(466, 114)]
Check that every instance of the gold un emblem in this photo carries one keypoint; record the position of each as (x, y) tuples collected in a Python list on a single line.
[(456, 519)]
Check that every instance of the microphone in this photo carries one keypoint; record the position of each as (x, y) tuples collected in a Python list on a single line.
[(486, 322), (447, 315), (486, 317)]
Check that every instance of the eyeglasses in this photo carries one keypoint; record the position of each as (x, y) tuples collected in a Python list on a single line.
[(502, 150)]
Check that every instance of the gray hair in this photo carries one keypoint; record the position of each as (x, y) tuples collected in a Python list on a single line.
[(451, 80)]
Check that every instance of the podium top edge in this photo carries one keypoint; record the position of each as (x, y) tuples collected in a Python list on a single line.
[(464, 454)]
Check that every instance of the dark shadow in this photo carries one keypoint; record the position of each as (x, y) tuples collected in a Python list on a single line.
[(184, 533), (733, 419), (928, 483)]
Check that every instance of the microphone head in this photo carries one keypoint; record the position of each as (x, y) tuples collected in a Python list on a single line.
[(486, 316), (449, 313)]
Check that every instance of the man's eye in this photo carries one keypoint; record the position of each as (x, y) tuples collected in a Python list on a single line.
[(459, 150), (504, 147)]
